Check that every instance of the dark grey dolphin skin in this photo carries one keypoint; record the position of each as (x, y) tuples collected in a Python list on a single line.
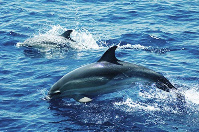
[(106, 75), (66, 34)]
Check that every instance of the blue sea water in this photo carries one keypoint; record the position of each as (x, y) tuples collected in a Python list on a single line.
[(161, 35)]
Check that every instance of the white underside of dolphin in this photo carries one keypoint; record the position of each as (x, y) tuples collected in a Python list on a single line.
[(104, 76)]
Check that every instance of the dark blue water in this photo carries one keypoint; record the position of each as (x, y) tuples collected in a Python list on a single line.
[(161, 35)]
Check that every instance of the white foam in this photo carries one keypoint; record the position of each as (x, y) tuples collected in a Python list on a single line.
[(137, 105), (192, 95), (84, 40), (136, 46)]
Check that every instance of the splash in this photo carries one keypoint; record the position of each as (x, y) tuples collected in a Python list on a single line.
[(192, 95), (84, 39), (146, 48), (136, 46), (150, 99), (135, 106)]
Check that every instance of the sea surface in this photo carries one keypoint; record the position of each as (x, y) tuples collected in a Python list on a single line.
[(162, 35)]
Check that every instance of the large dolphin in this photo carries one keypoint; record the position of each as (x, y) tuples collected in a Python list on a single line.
[(49, 41), (106, 75)]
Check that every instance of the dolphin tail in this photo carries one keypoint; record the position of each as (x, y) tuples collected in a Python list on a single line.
[(165, 85)]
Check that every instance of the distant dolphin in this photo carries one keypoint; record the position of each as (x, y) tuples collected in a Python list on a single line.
[(106, 75), (49, 41)]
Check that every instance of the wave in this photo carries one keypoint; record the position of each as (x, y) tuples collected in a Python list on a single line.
[(146, 48)]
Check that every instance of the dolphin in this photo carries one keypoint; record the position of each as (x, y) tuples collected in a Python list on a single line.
[(48, 41), (106, 75)]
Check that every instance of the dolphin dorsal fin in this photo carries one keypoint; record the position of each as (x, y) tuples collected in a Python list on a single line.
[(66, 34), (109, 55)]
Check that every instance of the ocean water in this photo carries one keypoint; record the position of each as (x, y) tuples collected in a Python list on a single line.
[(161, 35)]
